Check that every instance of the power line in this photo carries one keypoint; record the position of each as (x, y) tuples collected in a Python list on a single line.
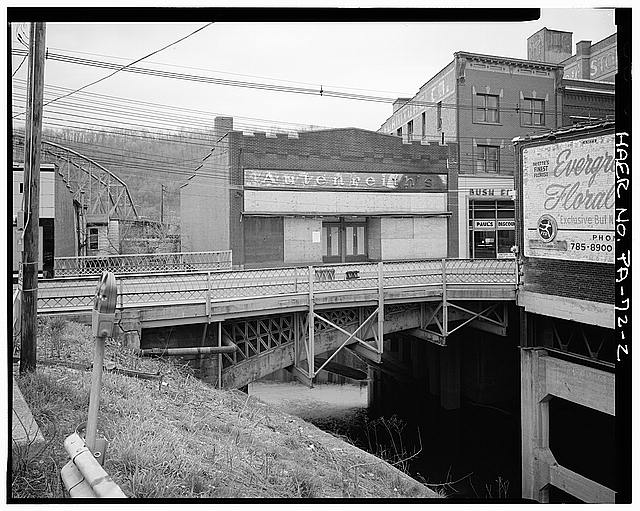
[(225, 72), (271, 87), (123, 68)]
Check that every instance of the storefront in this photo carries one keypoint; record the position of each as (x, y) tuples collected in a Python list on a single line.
[(340, 217), (487, 213), (329, 196)]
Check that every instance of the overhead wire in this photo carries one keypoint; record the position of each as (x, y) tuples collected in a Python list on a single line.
[(125, 67), (270, 87)]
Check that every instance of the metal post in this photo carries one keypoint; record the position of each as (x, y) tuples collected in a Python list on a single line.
[(94, 396), (208, 305), (445, 312), (310, 340), (380, 308), (219, 355)]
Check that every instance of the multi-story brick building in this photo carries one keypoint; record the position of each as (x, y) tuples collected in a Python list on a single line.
[(480, 102), (321, 196)]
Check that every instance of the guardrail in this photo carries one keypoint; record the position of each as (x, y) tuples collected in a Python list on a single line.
[(198, 287), (141, 263), (83, 476)]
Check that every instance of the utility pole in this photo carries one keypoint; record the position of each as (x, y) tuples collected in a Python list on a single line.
[(30, 255)]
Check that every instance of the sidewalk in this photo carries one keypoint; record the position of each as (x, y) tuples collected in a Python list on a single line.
[(26, 437)]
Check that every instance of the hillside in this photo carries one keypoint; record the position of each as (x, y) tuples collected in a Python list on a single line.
[(143, 159), (178, 437)]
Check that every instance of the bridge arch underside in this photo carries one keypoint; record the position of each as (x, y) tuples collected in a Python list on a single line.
[(265, 344)]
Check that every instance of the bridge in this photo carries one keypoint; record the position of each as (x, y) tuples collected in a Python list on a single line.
[(267, 319)]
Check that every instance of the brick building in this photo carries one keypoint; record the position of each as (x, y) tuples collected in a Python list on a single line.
[(596, 62), (480, 102), (336, 195), (565, 234)]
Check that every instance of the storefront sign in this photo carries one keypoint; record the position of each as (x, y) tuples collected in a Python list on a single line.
[(492, 192), (343, 181), (569, 200), (484, 225), (506, 224)]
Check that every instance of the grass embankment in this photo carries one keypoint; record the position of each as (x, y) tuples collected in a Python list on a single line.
[(178, 437)]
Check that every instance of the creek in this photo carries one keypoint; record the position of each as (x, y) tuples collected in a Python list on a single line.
[(471, 453)]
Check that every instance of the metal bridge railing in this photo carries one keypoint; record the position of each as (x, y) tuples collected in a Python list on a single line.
[(142, 263), (199, 287)]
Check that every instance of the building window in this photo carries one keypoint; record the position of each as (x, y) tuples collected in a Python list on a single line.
[(410, 130), (487, 108), (93, 238), (487, 158), (399, 132), (439, 115), (532, 113), (424, 125), (491, 228), (21, 187)]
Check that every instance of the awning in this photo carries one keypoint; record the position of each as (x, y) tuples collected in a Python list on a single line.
[(429, 214)]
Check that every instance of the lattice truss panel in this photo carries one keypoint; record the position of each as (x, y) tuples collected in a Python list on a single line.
[(256, 336)]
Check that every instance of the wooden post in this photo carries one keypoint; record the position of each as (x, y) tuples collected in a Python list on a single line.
[(380, 308), (310, 340), (31, 178)]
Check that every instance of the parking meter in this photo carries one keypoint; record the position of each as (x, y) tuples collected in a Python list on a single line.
[(102, 319), (104, 306)]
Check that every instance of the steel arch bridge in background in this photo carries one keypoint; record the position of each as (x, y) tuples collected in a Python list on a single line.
[(96, 189)]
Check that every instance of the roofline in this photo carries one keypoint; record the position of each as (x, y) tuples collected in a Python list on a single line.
[(551, 30), (419, 91), (564, 131), (612, 84), (508, 59)]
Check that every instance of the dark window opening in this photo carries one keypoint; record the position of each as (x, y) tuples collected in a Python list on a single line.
[(532, 113), (21, 187), (424, 124), (439, 115), (93, 238), (487, 158)]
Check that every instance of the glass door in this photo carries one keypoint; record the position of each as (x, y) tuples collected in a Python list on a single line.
[(355, 242), (344, 241), (331, 243)]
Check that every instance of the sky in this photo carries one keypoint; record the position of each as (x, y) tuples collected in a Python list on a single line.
[(381, 59)]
